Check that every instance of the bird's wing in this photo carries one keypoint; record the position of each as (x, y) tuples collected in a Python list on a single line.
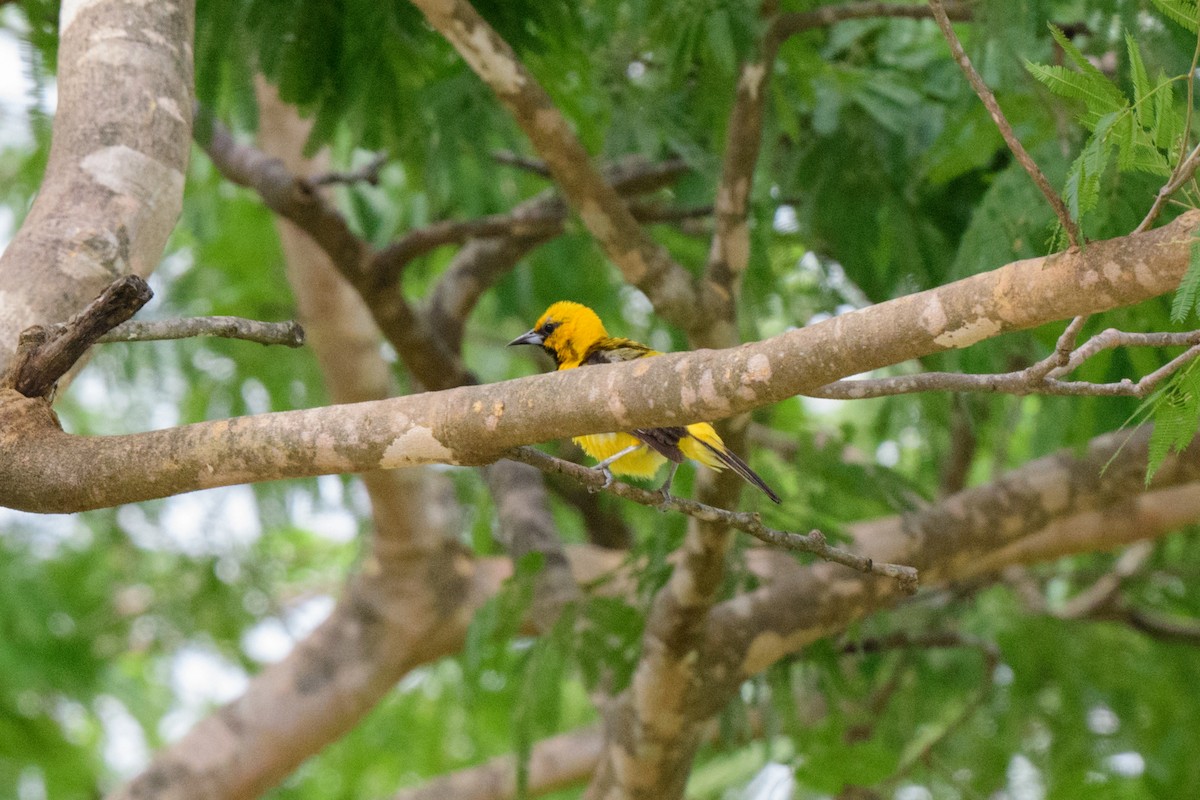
[(664, 441), (614, 351)]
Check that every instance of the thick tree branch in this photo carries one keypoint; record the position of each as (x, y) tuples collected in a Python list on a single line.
[(40, 470), (408, 597), (385, 625), (114, 182), (642, 261), (975, 532)]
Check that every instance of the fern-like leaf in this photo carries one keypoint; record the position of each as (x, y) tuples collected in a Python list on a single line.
[(1189, 288), (1141, 82), (1088, 69), (1168, 122), (1176, 417), (1183, 12), (1097, 92), (1082, 189)]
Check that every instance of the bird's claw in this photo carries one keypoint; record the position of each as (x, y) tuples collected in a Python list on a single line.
[(667, 497), (608, 480)]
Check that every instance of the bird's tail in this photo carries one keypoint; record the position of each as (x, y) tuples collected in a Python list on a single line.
[(735, 463)]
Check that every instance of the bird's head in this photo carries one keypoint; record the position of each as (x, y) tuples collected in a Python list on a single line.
[(566, 330)]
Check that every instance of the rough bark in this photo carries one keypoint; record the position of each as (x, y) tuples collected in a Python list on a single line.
[(114, 181)]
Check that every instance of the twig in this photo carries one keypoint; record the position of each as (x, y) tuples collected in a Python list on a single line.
[(1040, 378), (368, 173), (1006, 131), (511, 159), (1183, 173), (45, 354), (289, 333), (747, 522)]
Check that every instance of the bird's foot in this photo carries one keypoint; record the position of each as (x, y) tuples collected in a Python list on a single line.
[(608, 479), (665, 490)]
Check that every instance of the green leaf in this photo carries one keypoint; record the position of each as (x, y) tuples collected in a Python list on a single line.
[(1097, 92), (1081, 61), (1082, 190), (1189, 288), (1168, 122), (1183, 12), (1176, 418), (1140, 80)]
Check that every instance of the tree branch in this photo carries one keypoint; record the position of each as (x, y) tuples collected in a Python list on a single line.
[(367, 173), (1185, 168), (482, 262), (477, 424), (1025, 515), (539, 219)]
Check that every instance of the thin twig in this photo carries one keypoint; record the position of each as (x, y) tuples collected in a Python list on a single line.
[(747, 522), (368, 173), (1006, 131), (289, 333), (511, 159)]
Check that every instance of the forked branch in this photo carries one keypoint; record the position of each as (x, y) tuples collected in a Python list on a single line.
[(1044, 377)]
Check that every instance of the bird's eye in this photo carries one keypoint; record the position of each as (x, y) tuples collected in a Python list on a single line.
[(548, 328)]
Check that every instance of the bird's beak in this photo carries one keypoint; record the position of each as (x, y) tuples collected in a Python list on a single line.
[(529, 337)]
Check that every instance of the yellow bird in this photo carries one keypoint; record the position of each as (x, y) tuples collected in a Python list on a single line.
[(575, 337)]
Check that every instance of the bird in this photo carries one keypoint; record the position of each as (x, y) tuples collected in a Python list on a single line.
[(574, 336)]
